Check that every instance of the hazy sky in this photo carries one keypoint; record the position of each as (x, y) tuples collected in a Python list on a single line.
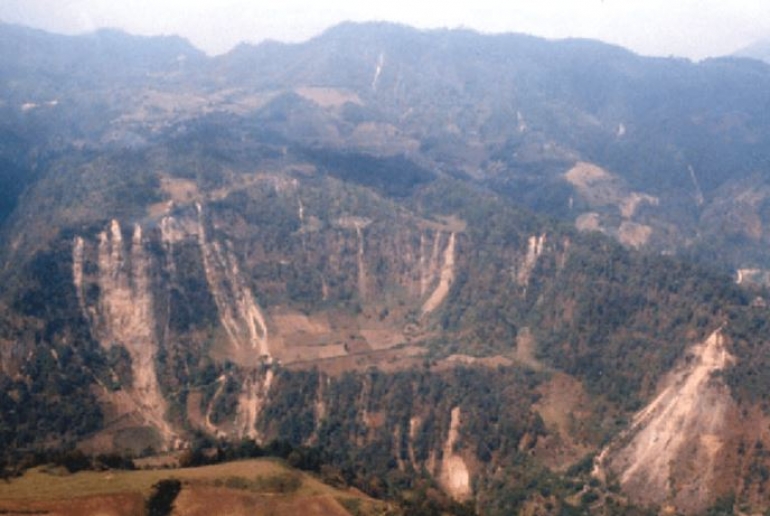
[(690, 28)]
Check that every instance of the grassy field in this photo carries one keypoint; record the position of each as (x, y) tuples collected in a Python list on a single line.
[(261, 486)]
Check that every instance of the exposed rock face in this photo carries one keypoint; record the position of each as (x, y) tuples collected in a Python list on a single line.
[(608, 196), (239, 312), (411, 270), (446, 274), (251, 400), (77, 270), (124, 315), (669, 454), (124, 290), (454, 475), (535, 246), (361, 261)]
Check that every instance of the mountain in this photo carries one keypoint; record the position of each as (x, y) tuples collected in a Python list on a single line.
[(507, 101), (758, 50), (107, 54), (489, 274)]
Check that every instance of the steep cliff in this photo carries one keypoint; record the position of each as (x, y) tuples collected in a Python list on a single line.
[(123, 314), (674, 450)]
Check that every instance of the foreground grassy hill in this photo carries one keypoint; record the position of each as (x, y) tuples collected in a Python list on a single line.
[(261, 486)]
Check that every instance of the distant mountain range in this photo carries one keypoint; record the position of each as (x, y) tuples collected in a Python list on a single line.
[(467, 273), (758, 50)]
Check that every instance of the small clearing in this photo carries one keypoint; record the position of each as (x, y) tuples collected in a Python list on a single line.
[(180, 191), (328, 97), (445, 223), (634, 235), (590, 221), (452, 361), (525, 350), (633, 201), (585, 175), (563, 406), (596, 185)]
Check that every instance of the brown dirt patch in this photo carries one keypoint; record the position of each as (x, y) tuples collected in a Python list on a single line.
[(563, 406), (128, 504), (180, 190), (633, 234), (328, 97)]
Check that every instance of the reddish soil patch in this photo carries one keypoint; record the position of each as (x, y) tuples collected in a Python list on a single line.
[(206, 501), (128, 504)]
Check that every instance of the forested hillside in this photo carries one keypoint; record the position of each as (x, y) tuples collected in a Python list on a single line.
[(464, 273)]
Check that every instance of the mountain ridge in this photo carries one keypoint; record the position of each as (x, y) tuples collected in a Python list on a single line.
[(759, 50)]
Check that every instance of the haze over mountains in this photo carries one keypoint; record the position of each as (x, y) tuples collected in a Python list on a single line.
[(529, 273), (758, 50)]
